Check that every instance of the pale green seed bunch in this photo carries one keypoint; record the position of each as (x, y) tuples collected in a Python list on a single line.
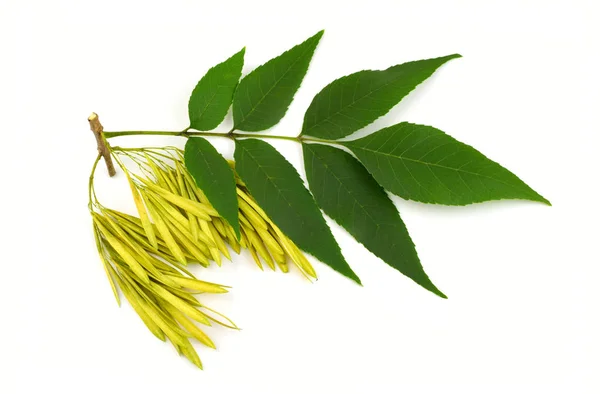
[(190, 227), (146, 256), (161, 293)]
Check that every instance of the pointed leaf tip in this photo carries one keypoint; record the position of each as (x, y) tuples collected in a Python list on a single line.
[(262, 97)]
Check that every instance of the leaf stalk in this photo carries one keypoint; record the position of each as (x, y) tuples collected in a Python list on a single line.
[(232, 135)]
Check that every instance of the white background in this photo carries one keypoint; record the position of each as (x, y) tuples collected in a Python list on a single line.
[(522, 278)]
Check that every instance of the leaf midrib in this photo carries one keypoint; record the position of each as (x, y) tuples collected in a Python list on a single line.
[(211, 171), (348, 190), (434, 165), (268, 178), (203, 111)]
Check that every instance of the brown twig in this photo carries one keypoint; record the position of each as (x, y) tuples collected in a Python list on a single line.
[(103, 148)]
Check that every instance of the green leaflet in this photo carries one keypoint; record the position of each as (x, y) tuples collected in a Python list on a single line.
[(352, 102), (424, 164), (349, 195), (214, 176), (263, 96), (212, 96), (278, 189)]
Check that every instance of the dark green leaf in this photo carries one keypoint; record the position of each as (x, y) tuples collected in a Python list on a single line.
[(352, 102), (278, 189), (263, 96), (424, 164), (212, 96), (214, 176), (346, 191)]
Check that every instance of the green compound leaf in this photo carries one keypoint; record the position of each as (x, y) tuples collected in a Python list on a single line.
[(214, 176), (279, 190), (354, 101), (213, 94), (346, 191), (425, 164), (263, 96)]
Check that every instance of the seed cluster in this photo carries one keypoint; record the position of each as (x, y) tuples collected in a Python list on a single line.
[(146, 256)]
